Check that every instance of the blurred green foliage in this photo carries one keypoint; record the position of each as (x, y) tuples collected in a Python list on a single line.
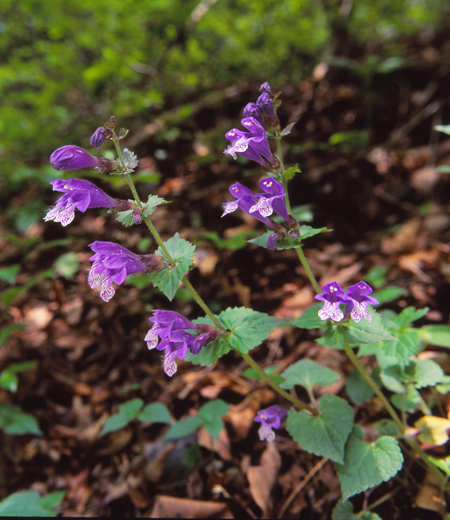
[(65, 67)]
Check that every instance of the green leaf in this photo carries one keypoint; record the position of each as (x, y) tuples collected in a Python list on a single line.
[(288, 243), (152, 203), (344, 511), (444, 387), (308, 231), (29, 503), (9, 295), (211, 414), (9, 273), (184, 428), (392, 378), (9, 381), (442, 464), (406, 346), (192, 455), (369, 331), (168, 279), (357, 388), (209, 354), (367, 465), (387, 427), (427, 373), (309, 318), (408, 315), (7, 331), (435, 335), (127, 412), (389, 294), (248, 327), (155, 413), (14, 422), (325, 434), (129, 159), (408, 403), (67, 265), (308, 373), (125, 217)]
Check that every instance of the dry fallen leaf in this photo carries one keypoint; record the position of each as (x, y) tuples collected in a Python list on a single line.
[(172, 507), (262, 478)]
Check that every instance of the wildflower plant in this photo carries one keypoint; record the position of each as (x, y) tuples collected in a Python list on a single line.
[(346, 317)]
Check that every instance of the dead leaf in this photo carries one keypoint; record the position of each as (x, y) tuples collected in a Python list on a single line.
[(429, 496), (262, 478), (222, 446), (434, 430), (171, 507), (114, 441)]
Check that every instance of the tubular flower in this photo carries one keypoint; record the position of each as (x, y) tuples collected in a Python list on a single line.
[(333, 295), (269, 418), (246, 201), (78, 194), (265, 88), (265, 105), (252, 145), (172, 329), (72, 157), (251, 110), (357, 308), (267, 205), (113, 263), (99, 136)]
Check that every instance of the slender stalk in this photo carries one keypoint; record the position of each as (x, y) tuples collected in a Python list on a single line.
[(283, 180), (374, 387), (309, 273), (401, 426), (297, 402), (201, 303)]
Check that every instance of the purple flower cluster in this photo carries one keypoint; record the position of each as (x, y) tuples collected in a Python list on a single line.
[(269, 418), (252, 145), (78, 194), (177, 335), (113, 263), (356, 301)]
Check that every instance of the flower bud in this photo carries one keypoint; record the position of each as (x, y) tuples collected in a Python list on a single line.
[(73, 158), (137, 216), (99, 136), (272, 241)]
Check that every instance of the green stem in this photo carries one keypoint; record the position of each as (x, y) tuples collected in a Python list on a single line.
[(299, 404), (401, 426), (374, 387), (309, 273), (283, 180)]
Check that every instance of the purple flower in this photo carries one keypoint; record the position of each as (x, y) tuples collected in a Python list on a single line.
[(113, 263), (78, 194), (272, 241), (267, 205), (265, 88), (73, 158), (251, 110), (252, 145), (99, 136), (172, 329), (357, 308), (265, 105), (269, 418), (246, 201), (332, 296)]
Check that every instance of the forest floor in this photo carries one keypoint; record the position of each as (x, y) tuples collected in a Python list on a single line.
[(387, 206)]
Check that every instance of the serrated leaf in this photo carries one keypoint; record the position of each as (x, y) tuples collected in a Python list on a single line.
[(444, 386), (427, 373), (209, 354), (435, 335), (152, 203), (369, 331), (168, 279), (309, 318), (308, 231), (324, 435), (155, 413), (125, 217), (308, 373), (367, 465), (357, 388), (248, 327), (392, 378), (408, 315), (129, 159), (183, 428), (291, 171), (387, 427), (287, 131), (406, 346)]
